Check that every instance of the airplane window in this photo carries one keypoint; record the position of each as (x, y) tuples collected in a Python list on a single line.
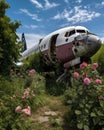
[(68, 34), (72, 32), (81, 31)]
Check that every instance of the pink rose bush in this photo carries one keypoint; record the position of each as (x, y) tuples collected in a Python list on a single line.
[(32, 71), (76, 75), (26, 111), (26, 94), (95, 66), (84, 74), (18, 109), (83, 65), (86, 99), (98, 81), (87, 81), (101, 97), (20, 93)]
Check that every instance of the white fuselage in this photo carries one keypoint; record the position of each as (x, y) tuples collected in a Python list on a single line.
[(67, 44)]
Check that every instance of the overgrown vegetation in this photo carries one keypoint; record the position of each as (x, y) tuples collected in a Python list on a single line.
[(20, 94), (33, 61), (22, 89), (86, 99)]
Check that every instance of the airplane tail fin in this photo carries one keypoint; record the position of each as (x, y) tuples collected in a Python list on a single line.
[(24, 42)]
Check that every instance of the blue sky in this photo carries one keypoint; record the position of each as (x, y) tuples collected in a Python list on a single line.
[(41, 17)]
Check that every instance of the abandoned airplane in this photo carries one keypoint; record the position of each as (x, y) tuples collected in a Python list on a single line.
[(71, 46)]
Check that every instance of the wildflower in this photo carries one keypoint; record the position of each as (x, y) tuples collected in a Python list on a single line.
[(95, 66), (84, 74), (18, 109), (98, 81), (26, 93), (83, 65), (13, 97), (1, 103), (76, 75), (27, 111), (32, 71), (100, 97), (87, 81)]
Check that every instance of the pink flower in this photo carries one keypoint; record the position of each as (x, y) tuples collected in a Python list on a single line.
[(76, 75), (95, 66), (27, 111), (87, 81), (18, 109), (26, 93), (100, 97), (32, 71), (84, 74), (98, 81), (83, 65)]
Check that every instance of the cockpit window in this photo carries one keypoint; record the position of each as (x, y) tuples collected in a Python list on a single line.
[(81, 31), (68, 34)]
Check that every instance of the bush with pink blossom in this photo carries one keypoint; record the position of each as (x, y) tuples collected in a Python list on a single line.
[(86, 99), (18, 98)]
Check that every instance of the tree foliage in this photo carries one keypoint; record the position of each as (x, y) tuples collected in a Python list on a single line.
[(9, 51)]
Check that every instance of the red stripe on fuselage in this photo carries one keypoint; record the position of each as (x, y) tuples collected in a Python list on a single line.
[(64, 52)]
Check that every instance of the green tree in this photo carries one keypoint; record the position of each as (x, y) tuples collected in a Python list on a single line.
[(9, 50), (99, 57)]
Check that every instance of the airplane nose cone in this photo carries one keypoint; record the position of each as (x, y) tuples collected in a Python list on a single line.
[(93, 44)]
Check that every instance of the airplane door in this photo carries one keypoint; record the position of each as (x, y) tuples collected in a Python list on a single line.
[(52, 47)]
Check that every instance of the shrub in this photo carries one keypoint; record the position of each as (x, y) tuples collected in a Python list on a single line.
[(53, 87), (34, 61), (86, 99), (17, 98)]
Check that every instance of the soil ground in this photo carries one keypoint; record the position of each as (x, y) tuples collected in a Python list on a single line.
[(50, 115)]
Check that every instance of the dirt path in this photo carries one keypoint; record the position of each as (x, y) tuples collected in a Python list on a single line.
[(49, 116)]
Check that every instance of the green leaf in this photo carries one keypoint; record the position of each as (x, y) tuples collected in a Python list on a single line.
[(101, 123), (86, 110), (93, 114), (79, 125), (96, 121), (77, 112), (81, 105), (100, 113), (86, 127), (102, 104)]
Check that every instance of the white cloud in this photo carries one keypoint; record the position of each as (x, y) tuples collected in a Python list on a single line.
[(33, 16), (76, 15), (31, 39), (78, 1), (38, 5), (99, 5), (66, 1), (102, 3), (30, 26), (47, 5)]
